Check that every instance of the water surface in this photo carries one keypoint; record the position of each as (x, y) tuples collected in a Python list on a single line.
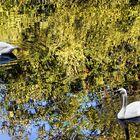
[(57, 86)]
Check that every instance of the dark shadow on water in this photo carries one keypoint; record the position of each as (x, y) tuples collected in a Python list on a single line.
[(125, 125), (6, 58)]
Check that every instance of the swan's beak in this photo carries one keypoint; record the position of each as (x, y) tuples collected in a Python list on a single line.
[(116, 92)]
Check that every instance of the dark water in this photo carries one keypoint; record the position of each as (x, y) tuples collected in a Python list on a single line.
[(41, 98)]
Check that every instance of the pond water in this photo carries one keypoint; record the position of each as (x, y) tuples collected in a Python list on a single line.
[(41, 98)]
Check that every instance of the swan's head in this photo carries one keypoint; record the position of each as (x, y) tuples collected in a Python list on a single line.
[(121, 91)]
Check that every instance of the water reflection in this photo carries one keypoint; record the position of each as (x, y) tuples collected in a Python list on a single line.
[(45, 118), (90, 101), (94, 133), (34, 125), (3, 91), (125, 124), (56, 92), (5, 136), (19, 130), (30, 131), (6, 58)]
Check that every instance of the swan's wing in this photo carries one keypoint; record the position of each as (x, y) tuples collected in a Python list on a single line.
[(6, 48), (2, 48), (5, 45), (133, 110)]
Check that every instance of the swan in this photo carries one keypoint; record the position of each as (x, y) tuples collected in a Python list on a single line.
[(129, 111), (6, 48)]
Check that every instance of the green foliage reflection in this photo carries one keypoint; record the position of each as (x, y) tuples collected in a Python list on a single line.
[(71, 47)]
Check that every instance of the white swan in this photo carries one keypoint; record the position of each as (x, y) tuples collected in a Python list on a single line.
[(129, 111), (6, 48)]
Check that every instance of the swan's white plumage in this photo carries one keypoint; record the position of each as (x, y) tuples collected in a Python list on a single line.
[(131, 110), (6, 48)]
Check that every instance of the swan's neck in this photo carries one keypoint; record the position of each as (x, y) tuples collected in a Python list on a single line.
[(124, 101), (121, 114)]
